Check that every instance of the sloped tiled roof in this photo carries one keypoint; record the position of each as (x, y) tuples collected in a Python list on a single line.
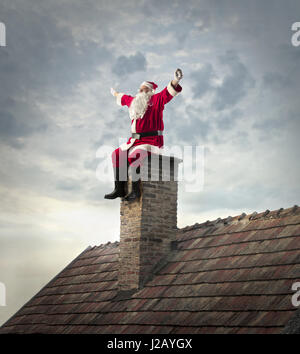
[(231, 275)]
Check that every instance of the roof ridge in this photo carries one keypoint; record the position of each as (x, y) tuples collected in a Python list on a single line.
[(106, 245), (264, 215)]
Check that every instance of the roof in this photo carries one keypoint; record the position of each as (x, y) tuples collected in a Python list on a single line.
[(231, 275)]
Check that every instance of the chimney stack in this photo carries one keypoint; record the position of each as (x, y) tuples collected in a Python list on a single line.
[(149, 223)]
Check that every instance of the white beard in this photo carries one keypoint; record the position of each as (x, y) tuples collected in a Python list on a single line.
[(139, 105)]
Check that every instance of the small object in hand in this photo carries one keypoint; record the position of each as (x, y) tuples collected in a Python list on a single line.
[(112, 91), (178, 75)]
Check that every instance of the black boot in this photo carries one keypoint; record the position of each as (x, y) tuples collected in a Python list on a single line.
[(135, 192), (119, 190)]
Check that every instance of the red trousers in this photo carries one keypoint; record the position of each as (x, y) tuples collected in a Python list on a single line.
[(135, 158)]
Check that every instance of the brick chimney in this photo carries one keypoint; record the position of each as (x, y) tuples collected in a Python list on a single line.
[(148, 224)]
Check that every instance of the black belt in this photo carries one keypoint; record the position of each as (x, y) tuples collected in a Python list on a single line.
[(141, 135)]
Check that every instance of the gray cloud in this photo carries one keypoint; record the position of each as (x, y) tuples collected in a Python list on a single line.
[(69, 185), (128, 65), (203, 78), (191, 130), (10, 126), (41, 62), (183, 20), (282, 124), (243, 197), (235, 85), (269, 125), (226, 121), (275, 80)]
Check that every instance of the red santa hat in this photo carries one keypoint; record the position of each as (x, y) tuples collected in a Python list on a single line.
[(149, 84)]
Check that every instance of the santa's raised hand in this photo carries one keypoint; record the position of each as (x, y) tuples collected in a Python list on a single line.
[(113, 91), (178, 75)]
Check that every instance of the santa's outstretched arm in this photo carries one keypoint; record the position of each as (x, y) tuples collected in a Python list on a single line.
[(122, 99)]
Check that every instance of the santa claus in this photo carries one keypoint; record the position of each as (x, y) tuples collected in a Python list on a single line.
[(146, 114)]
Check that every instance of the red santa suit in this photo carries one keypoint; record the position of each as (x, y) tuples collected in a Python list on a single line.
[(151, 120)]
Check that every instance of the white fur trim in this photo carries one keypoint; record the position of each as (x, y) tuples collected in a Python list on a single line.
[(126, 146), (152, 148), (119, 97), (133, 126), (171, 90)]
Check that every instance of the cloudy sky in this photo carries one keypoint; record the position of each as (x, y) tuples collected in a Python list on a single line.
[(240, 102)]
